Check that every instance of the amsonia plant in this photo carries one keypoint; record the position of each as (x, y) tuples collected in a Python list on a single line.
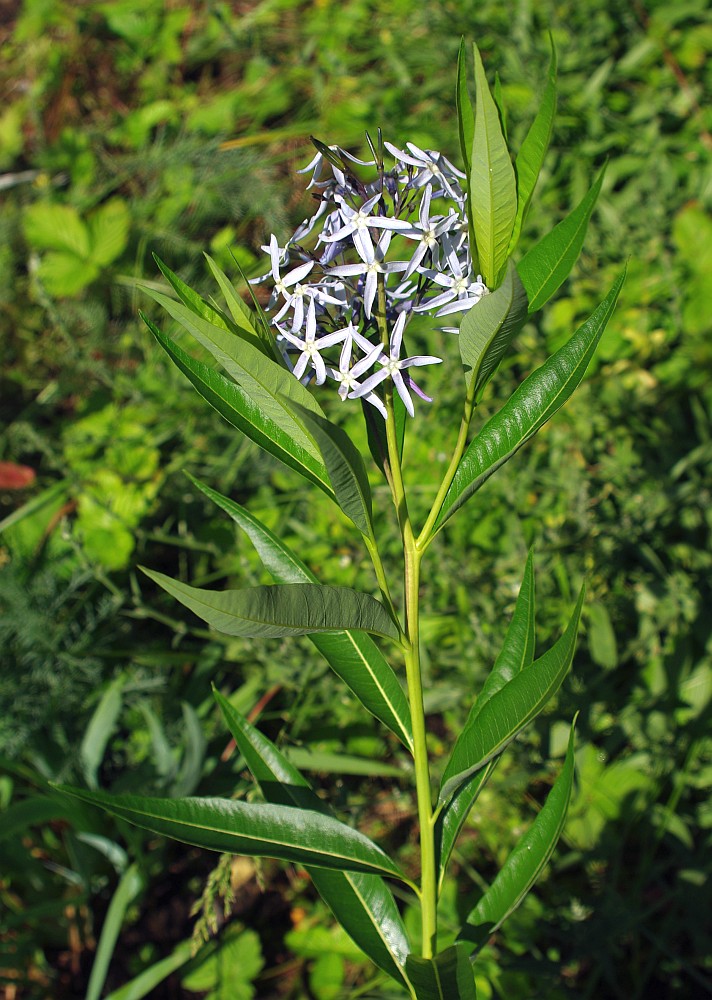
[(403, 234)]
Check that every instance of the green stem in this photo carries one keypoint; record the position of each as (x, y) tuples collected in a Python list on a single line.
[(380, 572), (411, 647), (426, 535)]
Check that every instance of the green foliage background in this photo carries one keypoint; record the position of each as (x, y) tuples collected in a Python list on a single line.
[(175, 128)]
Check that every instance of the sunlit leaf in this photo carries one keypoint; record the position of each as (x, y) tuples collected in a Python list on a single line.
[(280, 610), (493, 186), (528, 409), (238, 408), (547, 265), (516, 654), (533, 150)]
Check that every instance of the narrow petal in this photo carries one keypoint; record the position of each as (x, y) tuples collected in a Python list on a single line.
[(403, 392)]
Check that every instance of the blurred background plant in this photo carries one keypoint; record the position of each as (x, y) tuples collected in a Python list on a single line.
[(176, 128)]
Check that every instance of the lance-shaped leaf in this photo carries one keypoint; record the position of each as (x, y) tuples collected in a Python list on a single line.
[(533, 150), (466, 129), (288, 609), (526, 862), (509, 710), (195, 302), (242, 316), (362, 904), (269, 385), (344, 464), (448, 976), (353, 656), (528, 409), (487, 329), (516, 654), (546, 266), (238, 408), (233, 827), (492, 184)]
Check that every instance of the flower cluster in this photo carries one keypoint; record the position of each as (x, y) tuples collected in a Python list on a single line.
[(345, 291)]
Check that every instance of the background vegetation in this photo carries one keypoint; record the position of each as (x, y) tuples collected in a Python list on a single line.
[(174, 128)]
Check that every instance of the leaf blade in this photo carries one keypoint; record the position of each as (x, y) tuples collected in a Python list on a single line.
[(278, 610), (493, 188), (363, 904), (528, 409), (488, 328), (353, 656), (233, 827), (533, 150), (447, 976), (509, 710), (545, 267), (524, 865), (234, 404), (345, 467)]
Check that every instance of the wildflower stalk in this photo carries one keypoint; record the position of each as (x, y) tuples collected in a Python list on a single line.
[(411, 650)]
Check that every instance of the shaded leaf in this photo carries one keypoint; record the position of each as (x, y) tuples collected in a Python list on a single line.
[(509, 710), (487, 329), (279, 610), (353, 656), (516, 654), (362, 904), (447, 976), (547, 265), (526, 862), (492, 184), (345, 467), (130, 885), (528, 409), (233, 827)]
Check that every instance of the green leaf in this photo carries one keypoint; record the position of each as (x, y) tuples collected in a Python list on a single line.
[(533, 150), (195, 303), (56, 227), (362, 904), (100, 730), (146, 981), (286, 609), (232, 827), (448, 976), (487, 329), (492, 183), (509, 710), (545, 267), (243, 317), (109, 227), (516, 654), (353, 656), (237, 407), (64, 274), (528, 409), (465, 113), (517, 651), (526, 862), (127, 890), (344, 464), (268, 385)]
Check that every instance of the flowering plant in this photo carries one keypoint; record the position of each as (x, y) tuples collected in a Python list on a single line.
[(402, 234)]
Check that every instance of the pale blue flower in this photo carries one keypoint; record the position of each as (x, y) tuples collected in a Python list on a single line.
[(393, 365), (310, 346), (347, 376), (372, 264)]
